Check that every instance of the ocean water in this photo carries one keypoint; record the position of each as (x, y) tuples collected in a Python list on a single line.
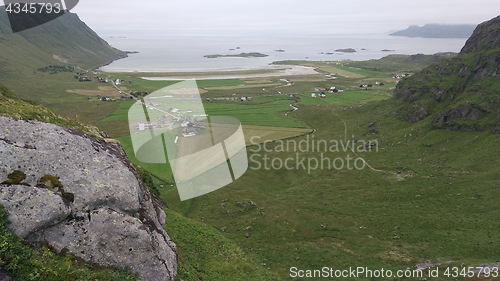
[(174, 52)]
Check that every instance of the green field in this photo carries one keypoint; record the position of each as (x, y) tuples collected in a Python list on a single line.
[(369, 218), (266, 114), (427, 200), (343, 98), (433, 198)]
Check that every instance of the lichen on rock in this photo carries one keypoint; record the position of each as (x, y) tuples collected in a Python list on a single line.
[(95, 210)]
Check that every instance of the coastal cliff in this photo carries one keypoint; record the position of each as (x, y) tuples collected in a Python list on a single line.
[(65, 40), (461, 93)]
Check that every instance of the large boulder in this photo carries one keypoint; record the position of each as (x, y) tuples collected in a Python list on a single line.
[(111, 218)]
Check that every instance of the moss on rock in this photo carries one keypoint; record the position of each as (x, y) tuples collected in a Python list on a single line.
[(15, 177), (51, 182)]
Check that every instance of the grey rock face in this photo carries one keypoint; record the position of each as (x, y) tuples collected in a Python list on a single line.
[(114, 220), (496, 130), (32, 208), (486, 35)]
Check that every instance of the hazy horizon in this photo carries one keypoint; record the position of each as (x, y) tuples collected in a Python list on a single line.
[(295, 16)]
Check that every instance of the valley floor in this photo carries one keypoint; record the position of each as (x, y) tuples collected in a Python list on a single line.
[(421, 194)]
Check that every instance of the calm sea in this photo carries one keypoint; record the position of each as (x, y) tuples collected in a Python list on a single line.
[(168, 52)]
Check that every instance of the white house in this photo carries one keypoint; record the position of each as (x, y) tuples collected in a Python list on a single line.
[(313, 95)]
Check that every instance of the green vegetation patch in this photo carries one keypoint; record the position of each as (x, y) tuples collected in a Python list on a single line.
[(266, 114), (205, 254), (11, 105), (53, 69), (15, 177), (53, 184)]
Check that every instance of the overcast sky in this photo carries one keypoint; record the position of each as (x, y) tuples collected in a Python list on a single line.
[(305, 16)]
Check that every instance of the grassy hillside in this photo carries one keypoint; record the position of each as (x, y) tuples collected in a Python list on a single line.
[(13, 106), (434, 199), (205, 254), (65, 40), (28, 61)]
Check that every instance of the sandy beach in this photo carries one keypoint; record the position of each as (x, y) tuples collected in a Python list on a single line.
[(268, 71)]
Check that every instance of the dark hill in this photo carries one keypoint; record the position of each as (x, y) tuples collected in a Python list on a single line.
[(437, 31), (64, 41), (462, 93)]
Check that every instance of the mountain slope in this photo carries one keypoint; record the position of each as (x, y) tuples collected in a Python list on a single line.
[(461, 93), (437, 31), (13, 106), (65, 40)]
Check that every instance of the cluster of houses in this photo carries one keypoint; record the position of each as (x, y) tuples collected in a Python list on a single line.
[(323, 90), (99, 97), (398, 76), (292, 96), (83, 79), (118, 81), (106, 98), (141, 126), (227, 99), (329, 90), (190, 129), (378, 83), (242, 98), (138, 94), (321, 95)]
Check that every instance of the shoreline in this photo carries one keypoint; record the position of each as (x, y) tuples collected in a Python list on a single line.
[(98, 68), (269, 71), (266, 67)]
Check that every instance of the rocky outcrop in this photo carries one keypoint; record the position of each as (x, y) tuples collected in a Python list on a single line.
[(111, 219), (486, 35), (459, 93)]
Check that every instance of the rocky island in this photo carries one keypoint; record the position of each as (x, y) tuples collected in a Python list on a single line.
[(437, 31), (241, 55), (348, 50)]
